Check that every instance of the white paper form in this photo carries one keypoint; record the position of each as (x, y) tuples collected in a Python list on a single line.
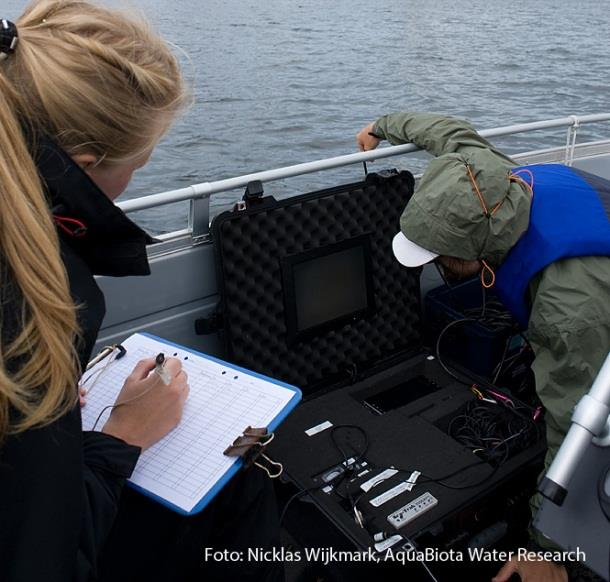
[(184, 466)]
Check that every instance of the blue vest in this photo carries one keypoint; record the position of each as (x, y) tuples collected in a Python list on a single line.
[(570, 217)]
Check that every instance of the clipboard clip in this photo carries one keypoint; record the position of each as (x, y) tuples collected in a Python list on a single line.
[(250, 446)]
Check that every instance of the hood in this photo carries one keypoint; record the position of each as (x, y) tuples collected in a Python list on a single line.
[(446, 215)]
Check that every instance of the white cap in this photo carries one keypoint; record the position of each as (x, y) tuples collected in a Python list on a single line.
[(409, 254)]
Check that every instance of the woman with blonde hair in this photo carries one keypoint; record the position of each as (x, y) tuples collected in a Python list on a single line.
[(85, 94)]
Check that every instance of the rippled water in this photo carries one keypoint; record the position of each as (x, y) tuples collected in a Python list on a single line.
[(279, 82)]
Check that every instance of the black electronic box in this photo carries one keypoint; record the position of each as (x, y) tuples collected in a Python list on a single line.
[(383, 441)]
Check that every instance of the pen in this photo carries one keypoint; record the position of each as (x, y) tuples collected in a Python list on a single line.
[(161, 371)]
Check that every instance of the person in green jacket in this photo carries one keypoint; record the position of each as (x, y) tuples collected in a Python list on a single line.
[(468, 211)]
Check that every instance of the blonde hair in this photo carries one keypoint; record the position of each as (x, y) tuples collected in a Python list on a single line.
[(96, 81)]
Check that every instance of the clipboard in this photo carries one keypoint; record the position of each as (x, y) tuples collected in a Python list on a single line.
[(186, 469)]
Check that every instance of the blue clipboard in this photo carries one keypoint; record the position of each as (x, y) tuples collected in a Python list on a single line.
[(236, 466)]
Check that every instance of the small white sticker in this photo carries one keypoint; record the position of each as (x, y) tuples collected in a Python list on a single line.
[(318, 428), (391, 493), (385, 544), (368, 485)]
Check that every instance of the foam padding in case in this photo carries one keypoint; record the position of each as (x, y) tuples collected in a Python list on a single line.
[(249, 247)]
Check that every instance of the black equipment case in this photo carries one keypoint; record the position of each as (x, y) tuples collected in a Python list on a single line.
[(312, 295)]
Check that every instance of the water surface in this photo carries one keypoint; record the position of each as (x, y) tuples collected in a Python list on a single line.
[(281, 82)]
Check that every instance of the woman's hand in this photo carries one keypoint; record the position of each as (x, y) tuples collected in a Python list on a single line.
[(146, 409), (365, 140), (532, 571)]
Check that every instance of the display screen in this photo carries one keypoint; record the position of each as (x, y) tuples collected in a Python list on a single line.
[(326, 288)]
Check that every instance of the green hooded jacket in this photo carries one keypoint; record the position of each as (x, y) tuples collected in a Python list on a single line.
[(569, 326)]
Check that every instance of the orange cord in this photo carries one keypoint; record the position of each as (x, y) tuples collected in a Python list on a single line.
[(515, 177), (487, 268), (476, 189)]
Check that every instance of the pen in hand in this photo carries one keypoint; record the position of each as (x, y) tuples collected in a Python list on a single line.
[(161, 371)]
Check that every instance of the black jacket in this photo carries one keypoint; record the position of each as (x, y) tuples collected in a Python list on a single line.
[(59, 487)]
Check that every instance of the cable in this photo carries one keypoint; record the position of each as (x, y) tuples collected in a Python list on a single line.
[(439, 480), (333, 438), (336, 481), (292, 498), (309, 490), (502, 359), (128, 401), (438, 350), (423, 563), (510, 362), (348, 467), (493, 317), (496, 444), (495, 432), (99, 372)]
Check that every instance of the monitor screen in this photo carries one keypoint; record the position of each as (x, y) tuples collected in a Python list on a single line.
[(327, 288)]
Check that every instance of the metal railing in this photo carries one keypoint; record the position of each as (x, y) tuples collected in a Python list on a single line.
[(199, 194), (206, 189)]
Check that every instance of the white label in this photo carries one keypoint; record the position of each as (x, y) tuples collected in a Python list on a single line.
[(318, 428), (385, 544), (368, 485), (391, 493), (414, 477)]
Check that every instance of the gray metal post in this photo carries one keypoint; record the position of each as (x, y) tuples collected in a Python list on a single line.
[(591, 419)]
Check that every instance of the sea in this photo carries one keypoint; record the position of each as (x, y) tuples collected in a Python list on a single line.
[(280, 82)]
